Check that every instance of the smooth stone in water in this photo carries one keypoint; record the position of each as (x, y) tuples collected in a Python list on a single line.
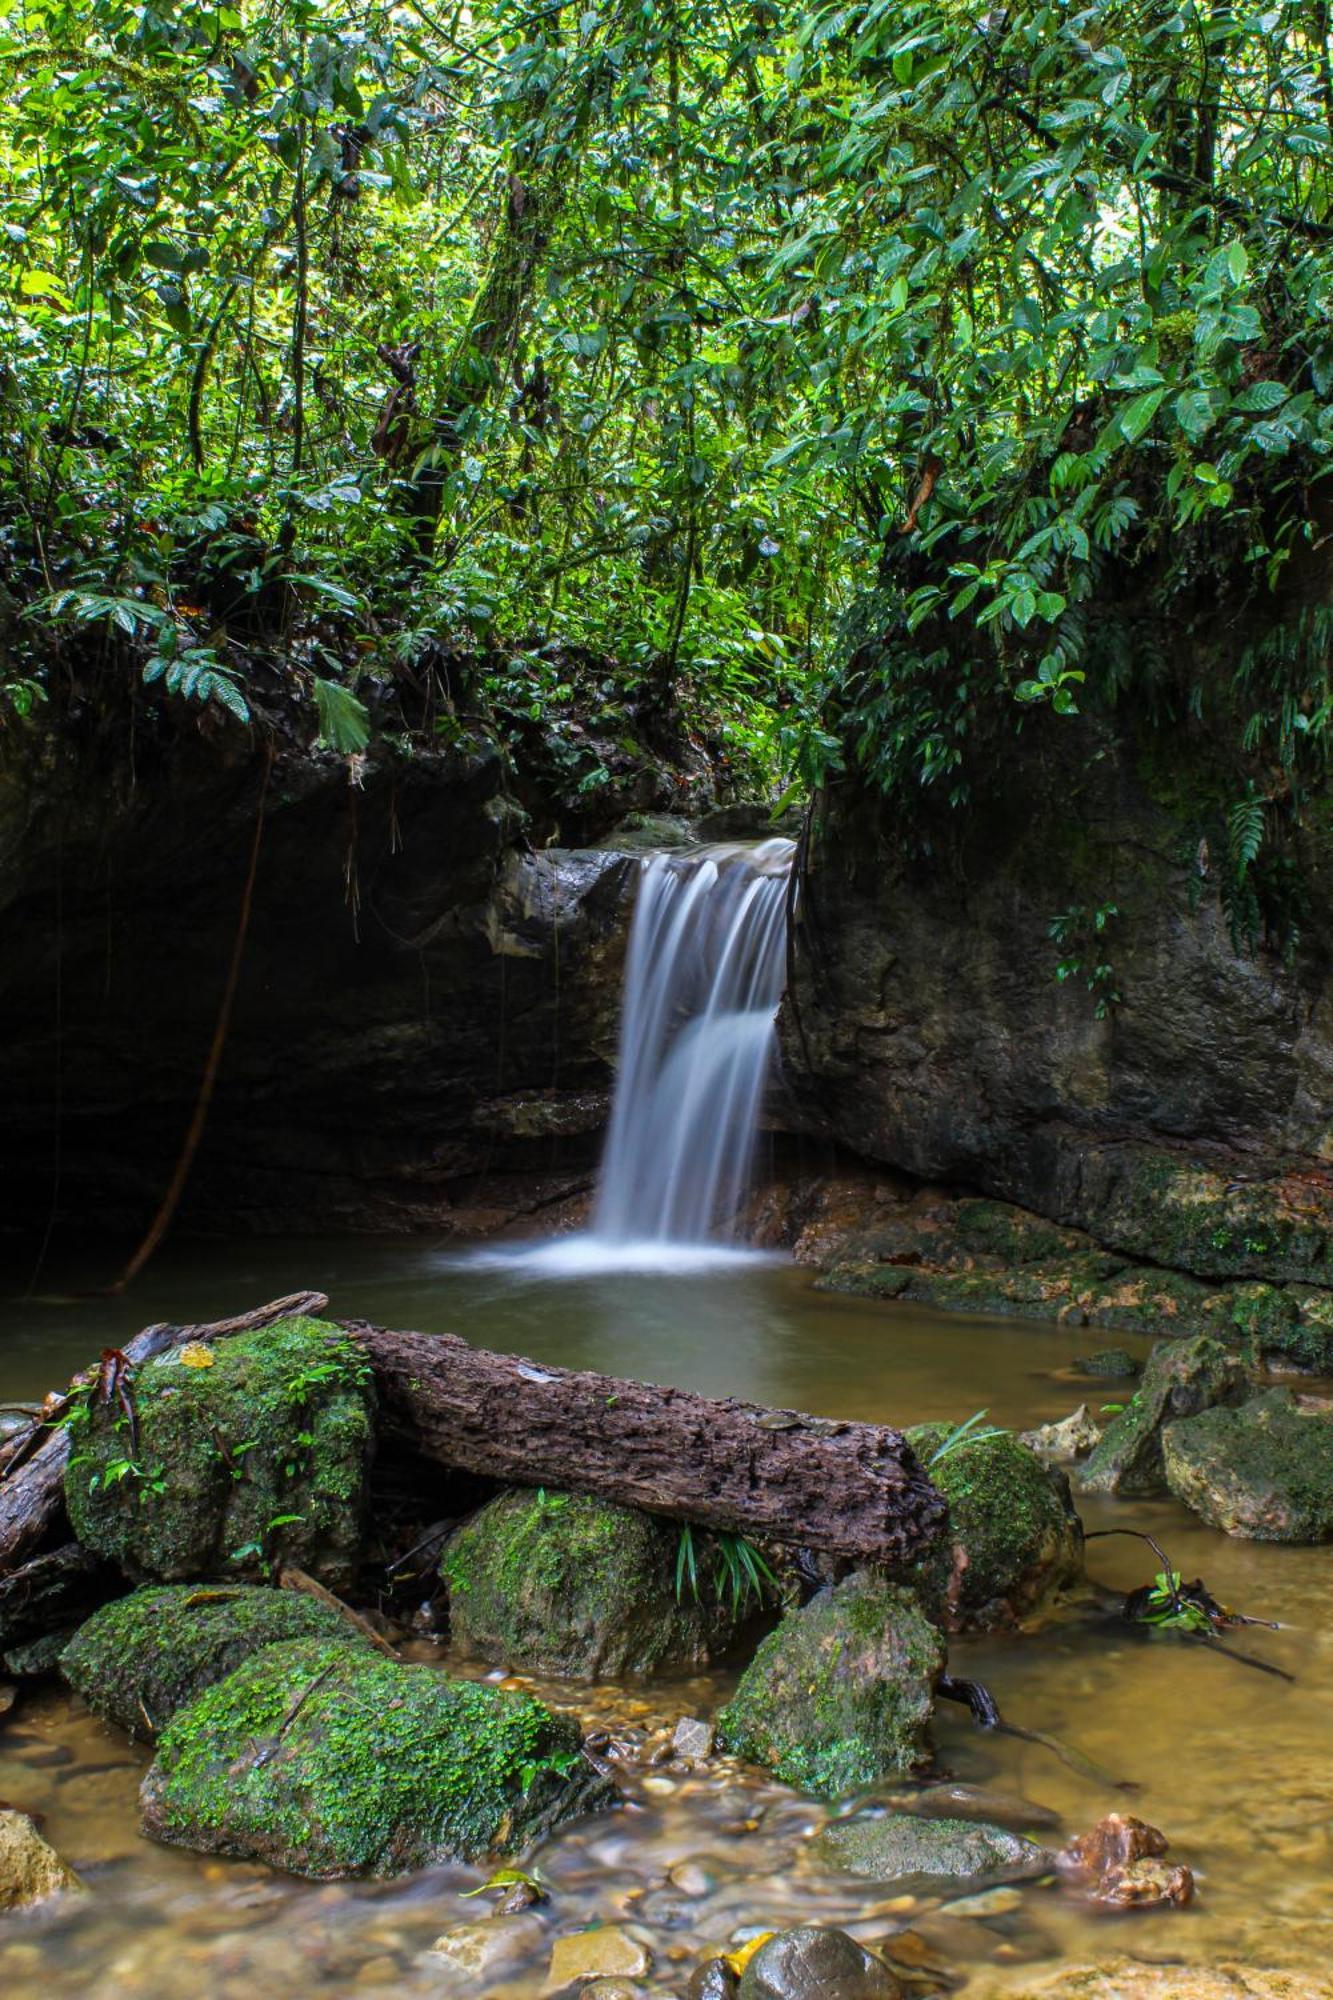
[(713, 1981), (476, 1951), (693, 1739), (1113, 1362), (901, 1846), (1122, 1979), (813, 1963), (30, 1870), (602, 1953)]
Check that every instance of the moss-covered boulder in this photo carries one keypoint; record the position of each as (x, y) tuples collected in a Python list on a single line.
[(840, 1696), (1015, 1534), (1264, 1471), (567, 1584), (137, 1661), (1181, 1378), (326, 1760), (898, 1846), (242, 1456)]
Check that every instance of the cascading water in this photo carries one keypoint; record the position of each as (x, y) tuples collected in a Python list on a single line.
[(703, 978), (704, 974)]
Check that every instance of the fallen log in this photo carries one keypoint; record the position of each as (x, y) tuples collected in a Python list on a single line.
[(32, 1486), (849, 1489)]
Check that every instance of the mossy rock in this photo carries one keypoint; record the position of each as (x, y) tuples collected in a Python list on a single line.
[(1304, 1341), (839, 1698), (566, 1584), (325, 1759), (896, 1847), (250, 1453), (137, 1661), (1015, 1535), (1181, 1378), (1263, 1471)]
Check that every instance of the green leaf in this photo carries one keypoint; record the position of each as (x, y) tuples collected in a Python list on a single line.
[(344, 724), (1260, 396), (1136, 417), (1193, 410)]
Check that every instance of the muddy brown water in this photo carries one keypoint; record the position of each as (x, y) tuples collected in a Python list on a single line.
[(1236, 1767)]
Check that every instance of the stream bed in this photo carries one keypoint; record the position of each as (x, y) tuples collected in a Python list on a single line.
[(1235, 1766)]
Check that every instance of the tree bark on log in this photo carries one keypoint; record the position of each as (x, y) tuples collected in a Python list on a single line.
[(848, 1489), (31, 1491)]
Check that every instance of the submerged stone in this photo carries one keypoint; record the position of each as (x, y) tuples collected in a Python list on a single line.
[(603, 1953), (815, 1963), (326, 1760), (135, 1662), (1181, 1378), (1130, 1979), (1114, 1362), (243, 1455), (30, 1869), (567, 1584), (840, 1696), (894, 1847), (1263, 1471), (1015, 1534)]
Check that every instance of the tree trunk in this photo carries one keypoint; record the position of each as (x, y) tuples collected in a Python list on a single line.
[(850, 1489)]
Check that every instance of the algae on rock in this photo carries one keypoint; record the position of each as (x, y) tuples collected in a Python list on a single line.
[(572, 1585), (135, 1662), (893, 1847), (1181, 1378), (840, 1696), (1015, 1534), (327, 1760), (1263, 1471), (243, 1455)]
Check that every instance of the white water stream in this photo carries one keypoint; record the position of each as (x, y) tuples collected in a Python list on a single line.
[(703, 978)]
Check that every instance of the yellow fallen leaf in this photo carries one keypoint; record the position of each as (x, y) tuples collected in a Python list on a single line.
[(195, 1355), (740, 1958)]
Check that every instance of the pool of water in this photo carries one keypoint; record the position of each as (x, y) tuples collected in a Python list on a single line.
[(1234, 1765)]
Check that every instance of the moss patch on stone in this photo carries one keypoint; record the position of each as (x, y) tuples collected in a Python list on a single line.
[(1016, 1536), (135, 1662), (249, 1453), (328, 1760), (1181, 1378), (1263, 1471), (896, 1847), (840, 1696), (571, 1585)]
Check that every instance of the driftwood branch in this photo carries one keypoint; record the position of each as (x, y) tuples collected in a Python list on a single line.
[(850, 1489), (32, 1489)]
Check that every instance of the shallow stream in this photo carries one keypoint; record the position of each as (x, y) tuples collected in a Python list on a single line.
[(1235, 1766)]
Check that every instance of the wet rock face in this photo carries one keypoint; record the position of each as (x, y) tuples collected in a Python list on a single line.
[(927, 1030), (1181, 1378), (816, 1964), (242, 1455), (840, 1696), (137, 1661), (326, 1760), (408, 955), (1016, 1537), (30, 1870), (566, 1584), (895, 1847), (1263, 1471)]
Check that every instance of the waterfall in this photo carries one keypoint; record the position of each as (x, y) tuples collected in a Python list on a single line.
[(704, 972), (703, 977)]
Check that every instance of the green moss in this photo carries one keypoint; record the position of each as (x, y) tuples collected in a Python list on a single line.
[(896, 1847), (325, 1760), (839, 1697), (1181, 1377), (1013, 1522), (135, 1662), (1264, 1470), (257, 1458), (569, 1585)]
